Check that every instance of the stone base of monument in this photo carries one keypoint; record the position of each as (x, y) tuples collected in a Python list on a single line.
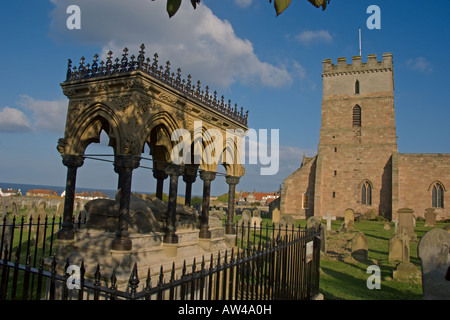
[(406, 271), (148, 252)]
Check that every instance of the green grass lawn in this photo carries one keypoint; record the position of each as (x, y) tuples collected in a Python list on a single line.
[(343, 278)]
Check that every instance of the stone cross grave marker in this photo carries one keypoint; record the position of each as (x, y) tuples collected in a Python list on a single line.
[(329, 218)]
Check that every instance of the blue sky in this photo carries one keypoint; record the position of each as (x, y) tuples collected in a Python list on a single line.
[(269, 65)]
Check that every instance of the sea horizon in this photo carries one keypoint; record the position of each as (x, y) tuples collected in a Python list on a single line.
[(24, 188)]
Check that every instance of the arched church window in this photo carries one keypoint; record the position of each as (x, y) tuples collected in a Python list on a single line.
[(366, 193), (357, 116), (357, 87), (437, 196)]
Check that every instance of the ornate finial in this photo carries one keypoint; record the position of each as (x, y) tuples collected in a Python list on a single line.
[(124, 59), (69, 69), (167, 72), (141, 57)]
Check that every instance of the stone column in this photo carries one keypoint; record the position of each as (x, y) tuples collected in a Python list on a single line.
[(189, 179), (174, 171), (207, 177), (160, 176), (229, 225), (124, 166), (72, 162)]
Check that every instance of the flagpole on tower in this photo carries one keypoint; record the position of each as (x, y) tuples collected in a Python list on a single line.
[(360, 50)]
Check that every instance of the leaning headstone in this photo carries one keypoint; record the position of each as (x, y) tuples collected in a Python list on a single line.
[(430, 217), (433, 251), (360, 247), (406, 221), (349, 219)]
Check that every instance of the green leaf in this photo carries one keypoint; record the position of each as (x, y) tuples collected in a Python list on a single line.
[(319, 3), (281, 5), (172, 7)]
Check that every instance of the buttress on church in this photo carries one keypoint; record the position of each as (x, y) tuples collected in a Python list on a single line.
[(357, 165)]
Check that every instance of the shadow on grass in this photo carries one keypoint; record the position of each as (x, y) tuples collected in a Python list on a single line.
[(343, 286)]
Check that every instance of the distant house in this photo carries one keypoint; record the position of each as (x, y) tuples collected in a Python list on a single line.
[(41, 193), (91, 195), (263, 198), (10, 193)]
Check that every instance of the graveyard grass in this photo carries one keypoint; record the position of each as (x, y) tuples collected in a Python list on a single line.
[(343, 278)]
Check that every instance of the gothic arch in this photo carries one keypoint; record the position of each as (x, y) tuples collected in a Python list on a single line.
[(87, 127)]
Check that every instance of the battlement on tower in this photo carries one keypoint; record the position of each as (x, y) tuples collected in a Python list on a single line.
[(357, 66)]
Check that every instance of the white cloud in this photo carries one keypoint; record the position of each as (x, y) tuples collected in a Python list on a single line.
[(308, 37), (46, 115), (243, 3), (420, 64), (195, 40), (13, 120)]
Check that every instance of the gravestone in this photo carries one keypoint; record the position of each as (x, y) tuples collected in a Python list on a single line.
[(360, 248), (7, 236), (246, 216), (406, 221), (256, 213), (315, 222), (406, 269), (14, 208), (387, 226), (276, 216), (395, 249), (60, 209), (430, 217), (329, 219), (287, 220), (215, 219), (256, 221), (349, 219), (433, 251)]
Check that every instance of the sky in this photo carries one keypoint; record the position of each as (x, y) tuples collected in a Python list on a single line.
[(270, 65)]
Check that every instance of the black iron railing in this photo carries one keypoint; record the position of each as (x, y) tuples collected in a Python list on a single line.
[(282, 264)]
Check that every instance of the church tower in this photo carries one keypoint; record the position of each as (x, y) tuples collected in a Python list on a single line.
[(357, 137)]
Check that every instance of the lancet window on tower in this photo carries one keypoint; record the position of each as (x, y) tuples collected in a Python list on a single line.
[(357, 116), (357, 87), (366, 193)]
